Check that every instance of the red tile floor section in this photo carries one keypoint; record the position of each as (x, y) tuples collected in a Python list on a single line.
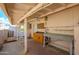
[(35, 48)]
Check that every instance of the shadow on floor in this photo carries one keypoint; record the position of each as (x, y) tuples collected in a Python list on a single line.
[(35, 48)]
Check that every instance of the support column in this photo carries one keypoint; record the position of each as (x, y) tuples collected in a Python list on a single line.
[(17, 32), (25, 35)]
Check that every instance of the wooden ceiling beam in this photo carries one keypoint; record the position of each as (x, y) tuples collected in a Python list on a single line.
[(48, 9), (59, 9), (15, 9), (34, 10), (31, 11), (21, 7)]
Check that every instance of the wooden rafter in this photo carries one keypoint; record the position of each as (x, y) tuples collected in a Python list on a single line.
[(34, 10), (18, 10), (59, 9)]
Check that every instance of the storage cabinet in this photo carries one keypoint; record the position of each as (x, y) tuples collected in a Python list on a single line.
[(38, 37)]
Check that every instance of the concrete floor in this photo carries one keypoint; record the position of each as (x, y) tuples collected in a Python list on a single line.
[(13, 48), (35, 48)]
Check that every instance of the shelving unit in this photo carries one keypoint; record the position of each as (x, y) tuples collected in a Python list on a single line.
[(61, 37)]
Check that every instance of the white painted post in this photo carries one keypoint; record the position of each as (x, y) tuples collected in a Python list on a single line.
[(25, 35), (17, 32)]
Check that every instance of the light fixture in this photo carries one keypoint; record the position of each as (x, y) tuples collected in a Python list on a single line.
[(22, 27)]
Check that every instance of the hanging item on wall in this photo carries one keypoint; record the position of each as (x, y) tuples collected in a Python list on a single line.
[(40, 26), (46, 18)]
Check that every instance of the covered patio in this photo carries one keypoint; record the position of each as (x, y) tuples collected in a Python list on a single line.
[(41, 29)]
